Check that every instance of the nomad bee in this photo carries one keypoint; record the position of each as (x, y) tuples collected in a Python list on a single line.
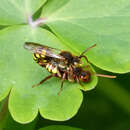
[(61, 64)]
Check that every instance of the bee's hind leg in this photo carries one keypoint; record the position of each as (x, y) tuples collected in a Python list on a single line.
[(45, 79)]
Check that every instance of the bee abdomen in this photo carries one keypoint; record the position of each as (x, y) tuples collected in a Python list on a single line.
[(39, 58), (51, 68), (35, 57)]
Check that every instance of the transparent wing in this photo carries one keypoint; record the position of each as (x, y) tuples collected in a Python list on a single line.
[(43, 50)]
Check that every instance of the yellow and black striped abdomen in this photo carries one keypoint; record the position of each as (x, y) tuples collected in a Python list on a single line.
[(41, 55), (37, 57), (40, 59), (51, 68)]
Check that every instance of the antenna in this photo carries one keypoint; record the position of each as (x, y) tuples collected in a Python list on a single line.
[(106, 76), (87, 50)]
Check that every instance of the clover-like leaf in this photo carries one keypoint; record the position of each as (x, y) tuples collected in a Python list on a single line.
[(85, 22), (18, 72), (17, 11)]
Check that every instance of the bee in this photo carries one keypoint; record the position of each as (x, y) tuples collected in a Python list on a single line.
[(62, 64)]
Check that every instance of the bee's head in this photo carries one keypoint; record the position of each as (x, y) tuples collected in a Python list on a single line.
[(85, 76)]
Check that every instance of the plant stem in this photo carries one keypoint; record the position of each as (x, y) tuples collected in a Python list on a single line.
[(37, 22)]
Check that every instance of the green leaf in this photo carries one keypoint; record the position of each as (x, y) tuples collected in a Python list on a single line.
[(83, 23), (17, 11), (19, 72), (10, 124), (59, 127), (50, 8)]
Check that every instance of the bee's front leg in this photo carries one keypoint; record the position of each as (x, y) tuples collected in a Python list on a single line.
[(78, 81)]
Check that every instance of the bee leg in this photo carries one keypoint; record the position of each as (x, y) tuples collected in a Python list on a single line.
[(78, 81), (45, 79), (58, 73), (63, 79)]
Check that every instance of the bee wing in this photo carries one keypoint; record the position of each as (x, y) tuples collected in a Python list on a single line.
[(43, 50)]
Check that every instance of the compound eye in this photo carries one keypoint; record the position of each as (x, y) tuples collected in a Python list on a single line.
[(85, 76)]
